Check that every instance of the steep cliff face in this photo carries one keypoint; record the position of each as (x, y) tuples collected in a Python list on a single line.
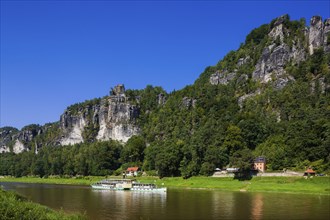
[(112, 117), (285, 44), (18, 141), (7, 135), (72, 127), (117, 121)]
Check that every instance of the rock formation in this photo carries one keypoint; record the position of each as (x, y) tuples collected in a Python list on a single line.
[(114, 117), (270, 67), (222, 78)]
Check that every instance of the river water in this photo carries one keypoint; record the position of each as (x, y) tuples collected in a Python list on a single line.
[(175, 204)]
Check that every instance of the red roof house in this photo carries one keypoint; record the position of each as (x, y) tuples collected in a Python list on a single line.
[(132, 171), (310, 172)]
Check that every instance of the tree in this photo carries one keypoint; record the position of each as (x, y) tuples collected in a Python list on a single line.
[(168, 160), (275, 151), (233, 141), (242, 159), (133, 150)]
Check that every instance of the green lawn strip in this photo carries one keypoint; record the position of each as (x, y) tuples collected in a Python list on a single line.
[(55, 180), (316, 185), (13, 206)]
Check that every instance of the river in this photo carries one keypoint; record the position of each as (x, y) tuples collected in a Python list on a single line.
[(175, 204)]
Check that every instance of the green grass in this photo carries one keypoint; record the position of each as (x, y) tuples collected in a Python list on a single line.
[(13, 206), (315, 185), (87, 180)]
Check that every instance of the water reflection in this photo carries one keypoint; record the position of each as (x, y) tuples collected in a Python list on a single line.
[(257, 206), (223, 208), (128, 204), (175, 204)]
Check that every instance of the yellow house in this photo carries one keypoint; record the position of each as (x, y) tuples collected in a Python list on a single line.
[(260, 164)]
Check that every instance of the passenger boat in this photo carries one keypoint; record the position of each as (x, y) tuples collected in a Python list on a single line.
[(127, 184)]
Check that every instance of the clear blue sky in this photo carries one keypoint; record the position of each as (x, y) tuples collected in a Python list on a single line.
[(57, 53)]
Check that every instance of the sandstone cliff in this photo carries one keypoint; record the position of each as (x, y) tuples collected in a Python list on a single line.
[(112, 117), (282, 47)]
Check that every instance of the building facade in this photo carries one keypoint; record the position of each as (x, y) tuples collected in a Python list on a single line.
[(260, 164)]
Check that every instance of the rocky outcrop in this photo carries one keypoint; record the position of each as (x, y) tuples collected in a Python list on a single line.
[(18, 141), (270, 67), (117, 121), (271, 63), (222, 78), (19, 147), (315, 35), (188, 102), (319, 85), (243, 98), (242, 61), (161, 98), (326, 34), (114, 118), (318, 34), (278, 28), (7, 135), (72, 127)]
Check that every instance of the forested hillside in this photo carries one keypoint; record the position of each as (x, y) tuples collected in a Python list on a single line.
[(268, 98)]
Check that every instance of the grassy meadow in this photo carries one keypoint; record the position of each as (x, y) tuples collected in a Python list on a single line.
[(86, 180)]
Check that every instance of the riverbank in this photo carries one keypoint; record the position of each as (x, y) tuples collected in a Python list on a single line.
[(314, 185), (13, 206), (81, 180)]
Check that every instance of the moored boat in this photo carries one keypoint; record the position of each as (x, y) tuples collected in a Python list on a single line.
[(114, 184), (127, 184), (147, 187)]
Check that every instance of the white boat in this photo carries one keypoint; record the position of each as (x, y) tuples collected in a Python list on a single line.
[(147, 187), (127, 184)]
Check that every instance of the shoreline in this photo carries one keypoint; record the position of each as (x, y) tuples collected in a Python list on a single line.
[(297, 185), (14, 206)]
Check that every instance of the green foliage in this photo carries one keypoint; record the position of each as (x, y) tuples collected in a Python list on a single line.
[(99, 158), (275, 150), (81, 107), (242, 159), (13, 206), (257, 34), (317, 62), (233, 140), (133, 151)]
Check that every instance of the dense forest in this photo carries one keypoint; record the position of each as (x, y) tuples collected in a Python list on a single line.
[(209, 125)]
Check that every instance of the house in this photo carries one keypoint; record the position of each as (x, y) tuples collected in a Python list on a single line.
[(260, 164), (132, 171), (309, 172)]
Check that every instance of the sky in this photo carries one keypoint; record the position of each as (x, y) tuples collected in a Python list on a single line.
[(57, 53)]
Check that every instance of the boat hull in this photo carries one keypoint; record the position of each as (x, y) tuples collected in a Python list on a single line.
[(107, 187)]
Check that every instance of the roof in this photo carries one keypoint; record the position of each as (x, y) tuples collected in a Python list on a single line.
[(132, 169), (260, 160), (309, 170)]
